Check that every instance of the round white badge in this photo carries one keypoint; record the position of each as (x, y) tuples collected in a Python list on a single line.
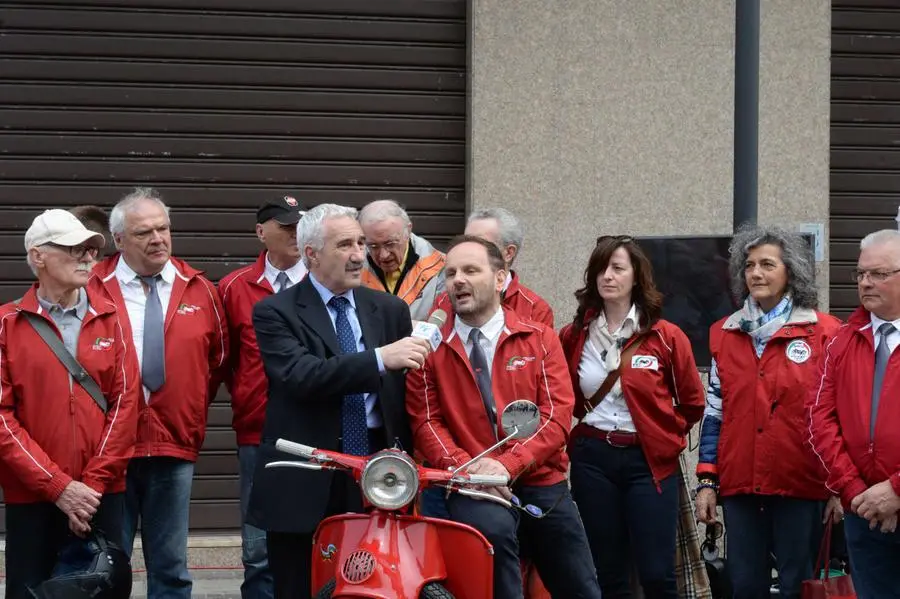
[(798, 351)]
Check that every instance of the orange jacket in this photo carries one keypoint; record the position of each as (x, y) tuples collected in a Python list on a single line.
[(420, 283), (527, 304), (664, 402), (764, 407), (173, 422), (52, 431), (448, 417)]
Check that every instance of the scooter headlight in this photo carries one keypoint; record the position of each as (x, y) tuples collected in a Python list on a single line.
[(390, 480)]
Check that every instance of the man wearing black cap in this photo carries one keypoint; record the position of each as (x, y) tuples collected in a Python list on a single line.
[(277, 268)]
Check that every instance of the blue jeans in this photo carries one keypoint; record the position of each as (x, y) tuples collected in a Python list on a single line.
[(158, 491), (627, 519), (257, 577), (791, 528), (874, 559)]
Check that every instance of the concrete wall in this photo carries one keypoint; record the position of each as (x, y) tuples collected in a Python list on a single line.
[(590, 117)]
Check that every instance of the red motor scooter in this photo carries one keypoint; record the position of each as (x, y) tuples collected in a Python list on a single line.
[(390, 552)]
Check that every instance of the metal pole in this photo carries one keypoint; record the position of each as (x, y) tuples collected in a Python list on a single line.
[(746, 111)]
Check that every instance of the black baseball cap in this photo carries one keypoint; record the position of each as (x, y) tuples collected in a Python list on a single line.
[(285, 210)]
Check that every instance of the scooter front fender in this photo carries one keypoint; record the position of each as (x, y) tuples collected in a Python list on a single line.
[(384, 555)]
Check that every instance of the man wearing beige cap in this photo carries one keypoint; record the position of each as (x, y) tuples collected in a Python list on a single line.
[(64, 440)]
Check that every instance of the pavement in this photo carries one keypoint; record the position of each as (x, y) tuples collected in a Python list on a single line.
[(208, 584)]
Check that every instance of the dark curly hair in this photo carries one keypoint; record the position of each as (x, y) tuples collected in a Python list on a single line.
[(645, 296)]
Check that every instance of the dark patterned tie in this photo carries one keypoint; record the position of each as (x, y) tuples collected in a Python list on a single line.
[(483, 377), (882, 356), (353, 413), (153, 358)]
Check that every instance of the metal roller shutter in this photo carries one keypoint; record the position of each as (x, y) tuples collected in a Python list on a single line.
[(865, 133), (221, 104)]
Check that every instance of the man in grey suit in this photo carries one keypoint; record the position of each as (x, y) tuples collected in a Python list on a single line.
[(334, 353)]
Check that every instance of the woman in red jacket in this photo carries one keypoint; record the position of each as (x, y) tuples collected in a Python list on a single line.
[(753, 448), (637, 392)]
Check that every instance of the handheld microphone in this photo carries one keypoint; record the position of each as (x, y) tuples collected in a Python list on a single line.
[(431, 330)]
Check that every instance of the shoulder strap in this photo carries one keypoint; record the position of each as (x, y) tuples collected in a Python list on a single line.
[(612, 377), (68, 360)]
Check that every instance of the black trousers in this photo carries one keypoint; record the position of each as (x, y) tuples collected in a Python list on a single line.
[(628, 520), (557, 543), (290, 553), (37, 532)]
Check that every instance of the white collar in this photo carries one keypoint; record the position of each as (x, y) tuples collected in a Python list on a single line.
[(294, 274), (126, 275), (326, 294), (632, 316), (491, 329), (507, 281), (877, 322)]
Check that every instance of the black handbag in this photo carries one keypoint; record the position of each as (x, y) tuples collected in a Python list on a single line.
[(716, 570)]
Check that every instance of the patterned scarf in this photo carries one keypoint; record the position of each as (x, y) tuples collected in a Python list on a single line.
[(762, 325), (610, 345)]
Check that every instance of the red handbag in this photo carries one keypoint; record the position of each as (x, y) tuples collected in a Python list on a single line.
[(828, 587)]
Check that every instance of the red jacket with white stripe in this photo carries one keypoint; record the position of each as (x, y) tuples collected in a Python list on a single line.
[(448, 418), (664, 402), (245, 378), (840, 410), (173, 422), (527, 304), (51, 431)]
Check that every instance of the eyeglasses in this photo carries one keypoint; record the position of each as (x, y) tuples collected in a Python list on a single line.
[(78, 251), (616, 238), (876, 276), (390, 246)]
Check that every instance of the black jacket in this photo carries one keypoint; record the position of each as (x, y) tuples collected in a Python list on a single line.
[(308, 379)]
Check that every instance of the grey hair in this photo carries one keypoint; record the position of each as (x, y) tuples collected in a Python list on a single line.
[(30, 264), (311, 228), (881, 237), (794, 253), (126, 204), (381, 210), (511, 231)]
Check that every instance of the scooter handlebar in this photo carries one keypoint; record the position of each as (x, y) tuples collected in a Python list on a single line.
[(489, 480), (298, 449)]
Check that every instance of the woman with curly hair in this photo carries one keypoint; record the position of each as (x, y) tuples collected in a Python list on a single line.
[(753, 449)]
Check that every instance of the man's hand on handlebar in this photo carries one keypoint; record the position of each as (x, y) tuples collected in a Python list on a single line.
[(492, 467)]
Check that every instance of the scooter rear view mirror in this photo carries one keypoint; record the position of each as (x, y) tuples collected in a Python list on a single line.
[(520, 419)]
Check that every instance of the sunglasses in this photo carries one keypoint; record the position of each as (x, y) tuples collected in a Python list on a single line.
[(78, 251), (616, 238)]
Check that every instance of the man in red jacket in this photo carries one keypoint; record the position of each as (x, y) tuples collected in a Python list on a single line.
[(489, 358), (63, 452), (504, 230), (277, 268), (855, 415), (177, 324)]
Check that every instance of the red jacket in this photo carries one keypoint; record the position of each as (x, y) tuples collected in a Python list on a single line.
[(840, 409), (245, 378), (527, 304), (52, 431), (664, 403), (763, 407), (173, 422), (448, 419)]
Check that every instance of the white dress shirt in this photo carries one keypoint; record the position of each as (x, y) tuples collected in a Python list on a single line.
[(893, 340), (611, 413), (136, 299), (373, 416), (294, 274), (490, 335)]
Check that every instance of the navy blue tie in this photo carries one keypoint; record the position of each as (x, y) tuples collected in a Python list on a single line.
[(353, 413)]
